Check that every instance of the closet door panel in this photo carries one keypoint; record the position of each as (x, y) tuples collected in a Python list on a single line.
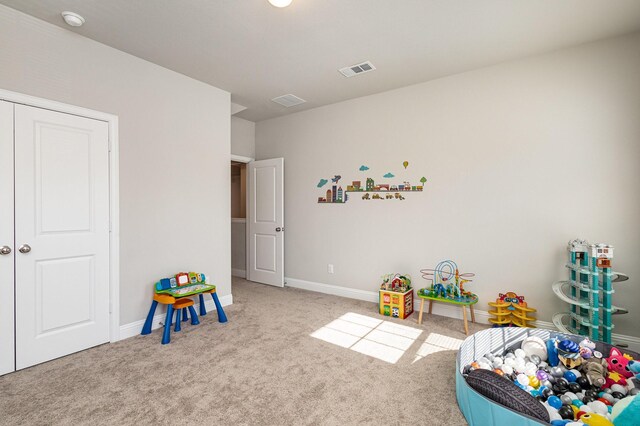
[(7, 352), (62, 278)]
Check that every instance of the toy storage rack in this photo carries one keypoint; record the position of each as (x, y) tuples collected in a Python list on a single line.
[(479, 410)]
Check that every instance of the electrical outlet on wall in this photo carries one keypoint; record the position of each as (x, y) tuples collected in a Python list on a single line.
[(330, 268)]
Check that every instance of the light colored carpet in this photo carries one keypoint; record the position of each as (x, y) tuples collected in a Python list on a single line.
[(263, 367)]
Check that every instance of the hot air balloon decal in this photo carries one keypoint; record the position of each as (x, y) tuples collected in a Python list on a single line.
[(405, 164)]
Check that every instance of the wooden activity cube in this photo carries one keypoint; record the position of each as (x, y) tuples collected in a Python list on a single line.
[(394, 304)]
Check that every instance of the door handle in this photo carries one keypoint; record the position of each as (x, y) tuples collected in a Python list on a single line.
[(25, 248), (278, 229), (4, 250)]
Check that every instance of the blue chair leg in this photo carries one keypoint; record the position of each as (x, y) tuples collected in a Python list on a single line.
[(167, 325), (148, 322), (203, 310), (178, 321), (194, 316), (184, 314), (222, 317)]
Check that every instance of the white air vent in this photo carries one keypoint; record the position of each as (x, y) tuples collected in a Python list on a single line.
[(357, 69), (288, 100)]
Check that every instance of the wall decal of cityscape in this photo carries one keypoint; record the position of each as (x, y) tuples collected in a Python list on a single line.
[(370, 191)]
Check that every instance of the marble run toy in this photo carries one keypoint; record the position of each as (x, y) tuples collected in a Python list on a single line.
[(511, 309), (447, 282), (590, 291)]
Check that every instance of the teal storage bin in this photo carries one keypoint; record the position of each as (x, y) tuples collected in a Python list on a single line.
[(482, 411)]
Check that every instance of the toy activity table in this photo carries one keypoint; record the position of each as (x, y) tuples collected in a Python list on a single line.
[(447, 286), (463, 302), (174, 298)]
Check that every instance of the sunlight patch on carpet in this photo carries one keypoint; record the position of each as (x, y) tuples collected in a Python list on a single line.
[(437, 343), (374, 337)]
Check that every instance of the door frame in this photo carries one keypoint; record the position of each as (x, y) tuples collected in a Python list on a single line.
[(114, 194), (246, 160)]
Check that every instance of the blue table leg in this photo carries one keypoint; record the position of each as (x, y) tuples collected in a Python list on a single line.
[(222, 317), (167, 325), (178, 321), (194, 316), (148, 322), (203, 310), (184, 314)]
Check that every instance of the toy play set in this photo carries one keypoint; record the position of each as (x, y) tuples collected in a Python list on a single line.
[(174, 292), (528, 377), (396, 296), (591, 290), (447, 286), (510, 310)]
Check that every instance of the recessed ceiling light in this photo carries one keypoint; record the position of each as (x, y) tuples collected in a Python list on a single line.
[(280, 3), (73, 19)]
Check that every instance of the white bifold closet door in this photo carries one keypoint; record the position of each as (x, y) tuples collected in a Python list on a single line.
[(61, 240)]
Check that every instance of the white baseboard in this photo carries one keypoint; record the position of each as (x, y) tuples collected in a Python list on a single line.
[(238, 273), (135, 328), (443, 309), (335, 290)]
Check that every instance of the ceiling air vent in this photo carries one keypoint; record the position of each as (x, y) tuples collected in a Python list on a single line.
[(352, 70), (288, 100)]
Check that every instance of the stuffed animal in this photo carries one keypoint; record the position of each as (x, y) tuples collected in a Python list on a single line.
[(618, 371), (634, 367), (569, 354), (626, 412), (595, 419), (586, 348), (596, 371)]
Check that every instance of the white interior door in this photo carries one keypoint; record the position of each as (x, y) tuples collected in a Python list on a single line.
[(61, 234), (7, 353), (266, 222)]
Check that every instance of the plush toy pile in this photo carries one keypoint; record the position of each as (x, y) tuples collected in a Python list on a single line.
[(575, 383)]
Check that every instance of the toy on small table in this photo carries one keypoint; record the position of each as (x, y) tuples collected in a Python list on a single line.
[(447, 282), (447, 285), (396, 296), (511, 309)]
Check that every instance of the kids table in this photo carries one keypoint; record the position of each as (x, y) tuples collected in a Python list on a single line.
[(463, 302), (170, 296)]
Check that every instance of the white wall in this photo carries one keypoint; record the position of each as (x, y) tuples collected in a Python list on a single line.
[(243, 137), (521, 158), (174, 149)]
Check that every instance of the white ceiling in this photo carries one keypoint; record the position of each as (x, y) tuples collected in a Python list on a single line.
[(258, 52)]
